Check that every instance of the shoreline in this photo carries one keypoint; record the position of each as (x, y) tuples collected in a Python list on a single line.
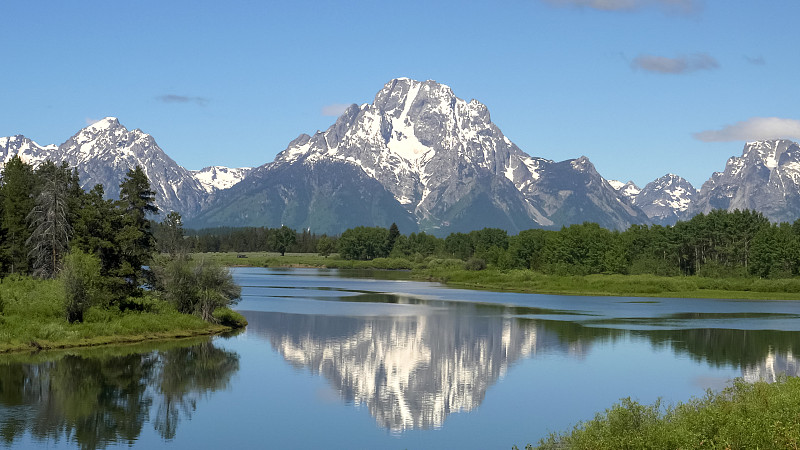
[(34, 347)]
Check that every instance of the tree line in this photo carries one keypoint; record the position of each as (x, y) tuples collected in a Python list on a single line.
[(102, 250), (717, 244)]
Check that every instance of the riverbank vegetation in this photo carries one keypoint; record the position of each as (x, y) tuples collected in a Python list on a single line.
[(719, 244), (721, 254), (742, 416), (78, 269)]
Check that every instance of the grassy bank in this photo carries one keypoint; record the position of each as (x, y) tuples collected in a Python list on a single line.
[(453, 273), (743, 416), (32, 318), (619, 285)]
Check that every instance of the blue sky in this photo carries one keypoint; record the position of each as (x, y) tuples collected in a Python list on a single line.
[(641, 87)]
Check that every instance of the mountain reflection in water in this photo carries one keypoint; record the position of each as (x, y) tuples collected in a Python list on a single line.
[(97, 398), (412, 371)]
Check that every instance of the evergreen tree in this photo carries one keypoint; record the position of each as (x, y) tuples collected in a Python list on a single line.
[(394, 232), (135, 238), (18, 201), (95, 229)]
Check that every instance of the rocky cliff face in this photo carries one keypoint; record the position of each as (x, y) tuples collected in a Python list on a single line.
[(765, 178)]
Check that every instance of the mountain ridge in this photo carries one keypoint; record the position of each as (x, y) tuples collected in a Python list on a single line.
[(421, 156)]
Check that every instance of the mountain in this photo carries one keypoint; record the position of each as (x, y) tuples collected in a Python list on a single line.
[(216, 178), (666, 200), (324, 196), (440, 159), (29, 151), (765, 178), (628, 190), (104, 152)]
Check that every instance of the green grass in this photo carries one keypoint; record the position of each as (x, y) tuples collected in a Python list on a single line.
[(452, 273), (621, 285), (742, 416), (33, 318)]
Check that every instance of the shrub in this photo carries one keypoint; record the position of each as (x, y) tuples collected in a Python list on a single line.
[(475, 264), (82, 283), (196, 286), (230, 318)]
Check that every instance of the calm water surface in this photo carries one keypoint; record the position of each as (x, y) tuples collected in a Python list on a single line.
[(335, 360)]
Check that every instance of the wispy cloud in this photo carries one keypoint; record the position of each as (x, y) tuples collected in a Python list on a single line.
[(675, 66), (672, 6), (755, 60), (173, 98), (335, 109), (90, 121), (754, 129)]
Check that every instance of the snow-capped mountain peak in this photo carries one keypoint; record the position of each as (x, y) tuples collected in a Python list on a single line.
[(628, 190), (214, 178), (29, 151), (666, 199), (104, 123), (765, 178), (430, 149)]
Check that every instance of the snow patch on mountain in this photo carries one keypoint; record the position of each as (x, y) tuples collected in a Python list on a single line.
[(628, 190)]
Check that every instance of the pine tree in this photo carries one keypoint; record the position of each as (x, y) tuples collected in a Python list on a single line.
[(134, 238), (18, 201), (49, 218)]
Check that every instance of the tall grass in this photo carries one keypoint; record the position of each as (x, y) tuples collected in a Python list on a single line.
[(742, 416)]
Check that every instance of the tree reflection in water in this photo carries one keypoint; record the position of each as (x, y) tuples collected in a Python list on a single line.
[(99, 398)]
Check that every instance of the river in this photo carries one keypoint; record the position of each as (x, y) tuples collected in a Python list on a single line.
[(339, 359)]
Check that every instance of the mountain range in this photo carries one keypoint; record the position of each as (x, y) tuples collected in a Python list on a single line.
[(425, 159)]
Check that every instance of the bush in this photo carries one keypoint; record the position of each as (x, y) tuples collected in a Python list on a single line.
[(445, 264), (475, 264), (82, 283), (196, 286), (230, 318)]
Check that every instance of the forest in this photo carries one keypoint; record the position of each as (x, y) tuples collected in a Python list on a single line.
[(719, 244)]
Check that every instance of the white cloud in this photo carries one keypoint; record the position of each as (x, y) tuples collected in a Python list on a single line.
[(675, 66), (754, 129), (674, 6), (335, 110), (92, 121)]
